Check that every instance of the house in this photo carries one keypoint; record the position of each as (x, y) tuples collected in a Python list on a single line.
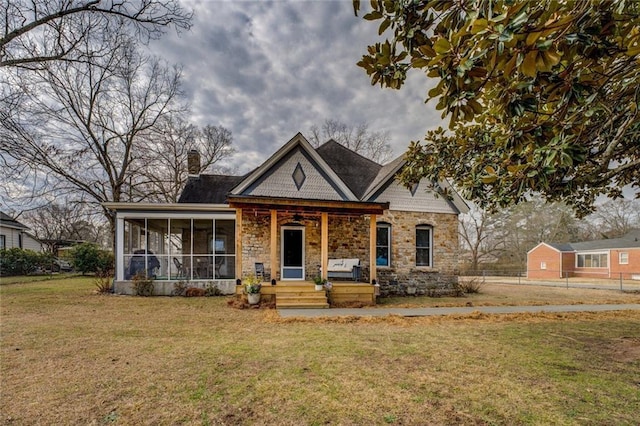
[(615, 258), (14, 234), (294, 215)]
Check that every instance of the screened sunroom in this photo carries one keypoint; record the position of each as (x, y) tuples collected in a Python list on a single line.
[(170, 244)]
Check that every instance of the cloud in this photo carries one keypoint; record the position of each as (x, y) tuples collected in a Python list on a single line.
[(267, 70)]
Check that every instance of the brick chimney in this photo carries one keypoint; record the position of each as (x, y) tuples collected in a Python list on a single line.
[(193, 163)]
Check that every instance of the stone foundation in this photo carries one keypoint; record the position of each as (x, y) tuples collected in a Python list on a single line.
[(417, 283)]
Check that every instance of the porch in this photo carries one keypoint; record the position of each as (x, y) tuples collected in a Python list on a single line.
[(302, 294)]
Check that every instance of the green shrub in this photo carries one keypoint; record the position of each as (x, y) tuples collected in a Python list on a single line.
[(16, 261), (88, 257)]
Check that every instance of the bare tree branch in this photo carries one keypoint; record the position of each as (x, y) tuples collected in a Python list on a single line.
[(39, 31)]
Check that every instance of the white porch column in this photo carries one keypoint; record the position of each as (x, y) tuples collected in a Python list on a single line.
[(273, 253), (239, 243), (372, 247), (324, 243), (119, 248)]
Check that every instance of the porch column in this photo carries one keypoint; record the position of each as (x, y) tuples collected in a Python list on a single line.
[(119, 249), (273, 253), (239, 243), (324, 243), (372, 247)]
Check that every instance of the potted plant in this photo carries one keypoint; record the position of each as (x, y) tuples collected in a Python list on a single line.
[(252, 288), (319, 282)]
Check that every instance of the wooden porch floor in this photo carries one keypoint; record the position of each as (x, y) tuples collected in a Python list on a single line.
[(302, 294)]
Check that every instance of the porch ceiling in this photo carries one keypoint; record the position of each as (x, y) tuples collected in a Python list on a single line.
[(295, 204)]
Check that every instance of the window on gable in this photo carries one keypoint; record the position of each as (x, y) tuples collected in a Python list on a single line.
[(424, 243), (383, 244), (623, 258)]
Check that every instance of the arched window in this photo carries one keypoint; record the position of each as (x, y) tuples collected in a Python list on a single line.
[(383, 245), (424, 245)]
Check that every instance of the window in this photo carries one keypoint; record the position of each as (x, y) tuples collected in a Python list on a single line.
[(19, 240), (423, 245), (592, 260), (543, 265), (3, 242), (383, 245), (623, 258), (179, 248)]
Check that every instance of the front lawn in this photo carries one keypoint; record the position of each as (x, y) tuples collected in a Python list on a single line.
[(70, 356)]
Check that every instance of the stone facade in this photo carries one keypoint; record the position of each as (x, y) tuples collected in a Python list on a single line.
[(403, 277), (349, 238)]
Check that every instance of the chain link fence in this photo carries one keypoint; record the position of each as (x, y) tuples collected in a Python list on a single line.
[(622, 281)]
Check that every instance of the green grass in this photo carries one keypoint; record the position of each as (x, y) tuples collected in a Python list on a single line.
[(70, 356)]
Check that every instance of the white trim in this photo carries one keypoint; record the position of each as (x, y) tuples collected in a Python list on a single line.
[(119, 248), (607, 252), (169, 207), (458, 202), (626, 262), (415, 244), (167, 215), (551, 247), (389, 243), (282, 267)]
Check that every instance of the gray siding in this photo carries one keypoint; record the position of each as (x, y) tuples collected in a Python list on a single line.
[(281, 184), (424, 199)]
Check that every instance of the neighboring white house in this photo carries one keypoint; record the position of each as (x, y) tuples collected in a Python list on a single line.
[(14, 234)]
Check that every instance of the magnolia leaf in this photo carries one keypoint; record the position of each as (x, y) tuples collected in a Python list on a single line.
[(528, 66), (372, 16), (475, 106), (419, 63), (532, 38), (489, 179), (384, 25), (479, 25), (427, 51), (435, 91), (442, 46)]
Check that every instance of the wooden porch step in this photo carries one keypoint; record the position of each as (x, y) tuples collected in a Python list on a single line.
[(281, 304), (300, 296)]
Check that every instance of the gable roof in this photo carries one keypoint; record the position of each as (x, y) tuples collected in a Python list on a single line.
[(630, 240), (355, 170), (298, 142), (208, 189), (388, 172), (561, 247), (9, 222), (331, 172)]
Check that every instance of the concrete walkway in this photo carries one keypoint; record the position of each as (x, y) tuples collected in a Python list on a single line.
[(425, 312)]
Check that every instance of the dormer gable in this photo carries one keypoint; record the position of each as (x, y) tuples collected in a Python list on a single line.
[(296, 170)]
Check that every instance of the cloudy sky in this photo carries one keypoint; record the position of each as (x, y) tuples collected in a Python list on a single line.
[(267, 70)]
